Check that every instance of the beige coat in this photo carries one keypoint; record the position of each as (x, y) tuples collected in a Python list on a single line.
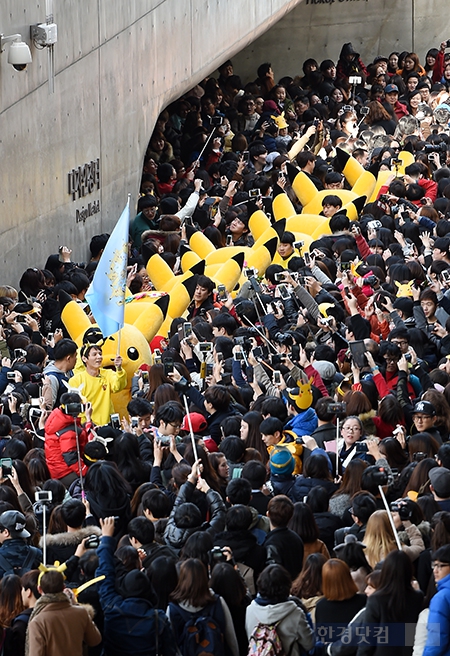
[(61, 629)]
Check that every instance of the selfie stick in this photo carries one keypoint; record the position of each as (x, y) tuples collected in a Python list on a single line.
[(261, 334), (194, 446), (44, 522), (206, 143), (391, 519), (44, 533), (337, 449), (80, 466)]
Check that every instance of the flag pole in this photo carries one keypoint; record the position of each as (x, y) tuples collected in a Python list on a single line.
[(119, 332)]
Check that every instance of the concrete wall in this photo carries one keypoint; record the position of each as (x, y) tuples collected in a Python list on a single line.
[(318, 28), (118, 64)]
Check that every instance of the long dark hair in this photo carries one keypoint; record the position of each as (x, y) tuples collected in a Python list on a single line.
[(303, 523), (162, 573), (10, 599), (254, 439), (193, 585), (127, 458), (395, 584), (351, 480), (208, 473), (103, 479), (228, 583), (309, 582)]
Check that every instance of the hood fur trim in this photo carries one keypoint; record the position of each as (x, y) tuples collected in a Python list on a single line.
[(66, 539)]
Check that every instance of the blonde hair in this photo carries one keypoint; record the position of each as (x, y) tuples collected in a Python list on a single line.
[(6, 291), (379, 538)]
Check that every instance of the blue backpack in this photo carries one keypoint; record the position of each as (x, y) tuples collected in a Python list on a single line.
[(201, 634)]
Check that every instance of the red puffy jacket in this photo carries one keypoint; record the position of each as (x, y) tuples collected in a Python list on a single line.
[(61, 445)]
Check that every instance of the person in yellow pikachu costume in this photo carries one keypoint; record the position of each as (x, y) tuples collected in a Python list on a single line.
[(134, 341)]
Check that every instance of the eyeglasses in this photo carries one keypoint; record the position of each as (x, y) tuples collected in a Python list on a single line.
[(176, 426), (440, 565), (421, 417), (352, 429), (399, 342)]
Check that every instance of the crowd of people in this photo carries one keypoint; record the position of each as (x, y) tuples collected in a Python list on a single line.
[(280, 483)]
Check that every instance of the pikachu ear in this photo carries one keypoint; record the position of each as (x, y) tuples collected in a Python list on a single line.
[(397, 284)]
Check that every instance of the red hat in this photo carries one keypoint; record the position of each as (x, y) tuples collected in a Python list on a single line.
[(198, 422), (156, 343)]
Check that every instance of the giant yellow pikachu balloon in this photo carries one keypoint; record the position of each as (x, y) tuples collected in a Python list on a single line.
[(134, 337)]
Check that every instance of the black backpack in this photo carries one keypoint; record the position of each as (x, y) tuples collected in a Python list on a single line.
[(19, 570)]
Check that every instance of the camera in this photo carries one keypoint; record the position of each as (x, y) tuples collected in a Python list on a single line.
[(92, 542), (36, 378), (419, 456), (337, 408), (284, 292), (441, 149), (360, 447), (280, 277), (298, 244), (355, 79), (364, 111), (216, 554), (19, 55), (74, 409), (216, 121), (6, 465), (168, 366), (254, 193), (164, 440), (44, 496), (284, 338), (445, 275), (134, 422), (371, 280), (205, 347), (316, 122), (245, 342), (380, 477), (257, 352), (402, 509), (222, 292), (35, 412), (115, 421), (374, 225), (251, 272), (10, 375), (346, 266)]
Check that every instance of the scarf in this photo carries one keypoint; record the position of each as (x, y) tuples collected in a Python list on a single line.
[(43, 602)]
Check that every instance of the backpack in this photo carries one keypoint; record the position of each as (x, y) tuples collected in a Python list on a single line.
[(265, 641), (19, 570), (201, 635)]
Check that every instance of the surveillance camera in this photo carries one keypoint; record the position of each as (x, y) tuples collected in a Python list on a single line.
[(19, 55)]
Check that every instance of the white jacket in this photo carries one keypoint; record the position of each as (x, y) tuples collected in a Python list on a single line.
[(293, 626)]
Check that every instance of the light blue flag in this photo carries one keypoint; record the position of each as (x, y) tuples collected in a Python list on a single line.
[(106, 293)]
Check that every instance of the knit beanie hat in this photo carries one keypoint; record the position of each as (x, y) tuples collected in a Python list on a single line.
[(281, 461)]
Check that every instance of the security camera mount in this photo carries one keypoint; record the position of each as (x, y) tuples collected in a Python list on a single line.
[(7, 39), (44, 34)]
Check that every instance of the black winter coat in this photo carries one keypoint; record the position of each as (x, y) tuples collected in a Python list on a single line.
[(176, 536)]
